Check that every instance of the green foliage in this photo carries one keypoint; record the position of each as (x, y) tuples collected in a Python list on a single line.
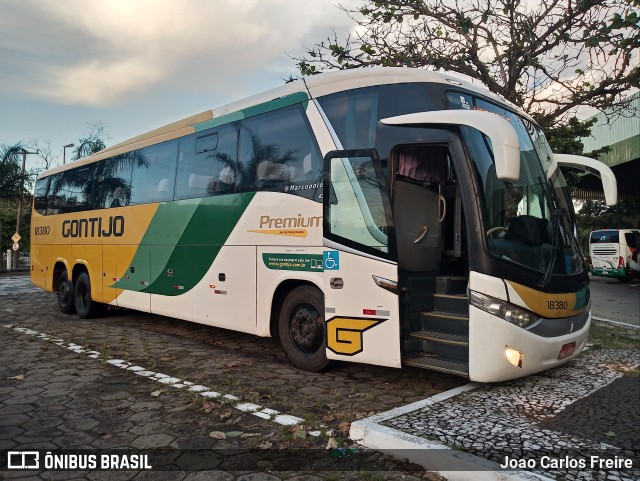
[(90, 144), (8, 212), (548, 57), (566, 138), (13, 182)]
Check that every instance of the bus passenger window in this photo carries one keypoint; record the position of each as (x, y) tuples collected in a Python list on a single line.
[(154, 181), (202, 159), (279, 150)]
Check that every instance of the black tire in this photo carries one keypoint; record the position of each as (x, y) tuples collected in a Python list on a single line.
[(302, 329), (85, 306), (628, 275), (64, 293)]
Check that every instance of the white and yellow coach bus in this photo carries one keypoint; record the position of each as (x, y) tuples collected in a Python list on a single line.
[(384, 216)]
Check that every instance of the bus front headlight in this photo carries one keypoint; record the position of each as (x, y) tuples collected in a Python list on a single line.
[(505, 310)]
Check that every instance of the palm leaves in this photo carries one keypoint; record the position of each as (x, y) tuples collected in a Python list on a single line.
[(12, 179), (244, 172)]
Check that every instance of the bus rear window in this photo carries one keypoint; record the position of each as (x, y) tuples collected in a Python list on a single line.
[(605, 236)]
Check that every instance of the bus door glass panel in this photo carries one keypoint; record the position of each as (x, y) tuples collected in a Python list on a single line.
[(357, 211), (362, 318)]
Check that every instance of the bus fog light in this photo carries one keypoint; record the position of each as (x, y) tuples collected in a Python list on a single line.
[(514, 356)]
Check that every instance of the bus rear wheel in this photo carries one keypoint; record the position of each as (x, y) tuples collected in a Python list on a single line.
[(302, 328), (65, 295), (85, 306)]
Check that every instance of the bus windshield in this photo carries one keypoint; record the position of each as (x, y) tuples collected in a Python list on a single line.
[(527, 222)]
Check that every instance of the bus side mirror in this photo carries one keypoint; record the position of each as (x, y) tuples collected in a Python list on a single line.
[(592, 166), (504, 139)]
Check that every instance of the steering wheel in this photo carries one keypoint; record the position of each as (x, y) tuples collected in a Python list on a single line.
[(496, 229)]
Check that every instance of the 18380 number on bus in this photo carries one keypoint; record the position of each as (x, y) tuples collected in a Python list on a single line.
[(557, 305)]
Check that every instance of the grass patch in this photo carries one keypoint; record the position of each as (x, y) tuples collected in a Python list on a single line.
[(604, 336)]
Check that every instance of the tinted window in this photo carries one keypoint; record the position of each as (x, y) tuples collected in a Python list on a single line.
[(113, 181), (154, 181), (208, 163), (633, 239), (605, 236), (40, 195), (354, 114), (71, 190), (278, 152)]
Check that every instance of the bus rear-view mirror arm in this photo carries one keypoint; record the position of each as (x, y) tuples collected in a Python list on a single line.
[(504, 140), (592, 166)]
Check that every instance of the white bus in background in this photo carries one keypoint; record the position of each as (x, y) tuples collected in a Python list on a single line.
[(614, 253), (389, 216)]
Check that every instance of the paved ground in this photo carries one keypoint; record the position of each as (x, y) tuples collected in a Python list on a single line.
[(193, 395), (586, 408), (194, 398), (615, 300)]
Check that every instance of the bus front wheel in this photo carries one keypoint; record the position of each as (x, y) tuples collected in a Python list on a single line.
[(302, 328), (64, 293), (85, 306)]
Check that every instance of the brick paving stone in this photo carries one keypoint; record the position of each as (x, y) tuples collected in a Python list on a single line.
[(606, 415), (104, 407), (149, 428)]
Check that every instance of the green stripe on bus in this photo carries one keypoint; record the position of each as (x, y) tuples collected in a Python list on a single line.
[(182, 242), (207, 231), (275, 104)]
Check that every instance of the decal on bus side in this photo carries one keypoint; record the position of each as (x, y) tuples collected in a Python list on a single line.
[(345, 334), (94, 227), (288, 226), (293, 262)]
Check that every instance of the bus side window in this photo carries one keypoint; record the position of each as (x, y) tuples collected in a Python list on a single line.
[(207, 163), (279, 153), (154, 179), (72, 190)]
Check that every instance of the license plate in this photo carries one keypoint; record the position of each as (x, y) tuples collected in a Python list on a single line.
[(567, 350)]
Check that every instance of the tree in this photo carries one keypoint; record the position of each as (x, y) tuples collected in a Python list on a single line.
[(547, 57), (90, 144), (13, 188), (13, 181)]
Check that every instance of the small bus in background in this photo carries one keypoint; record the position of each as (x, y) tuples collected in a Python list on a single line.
[(614, 253)]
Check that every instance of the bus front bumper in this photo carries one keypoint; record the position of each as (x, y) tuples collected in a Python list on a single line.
[(490, 339)]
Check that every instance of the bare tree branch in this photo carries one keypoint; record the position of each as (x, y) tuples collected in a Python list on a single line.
[(549, 57)]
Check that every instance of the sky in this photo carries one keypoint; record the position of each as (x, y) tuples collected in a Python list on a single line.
[(135, 65)]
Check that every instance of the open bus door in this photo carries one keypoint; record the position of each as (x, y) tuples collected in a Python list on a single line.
[(360, 277)]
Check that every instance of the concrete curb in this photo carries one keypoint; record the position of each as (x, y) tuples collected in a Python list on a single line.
[(616, 323), (461, 466)]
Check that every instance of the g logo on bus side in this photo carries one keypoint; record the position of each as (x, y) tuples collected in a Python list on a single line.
[(345, 334)]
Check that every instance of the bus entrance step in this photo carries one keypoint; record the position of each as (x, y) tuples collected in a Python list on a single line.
[(456, 304), (451, 285), (453, 323), (438, 364), (442, 337)]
